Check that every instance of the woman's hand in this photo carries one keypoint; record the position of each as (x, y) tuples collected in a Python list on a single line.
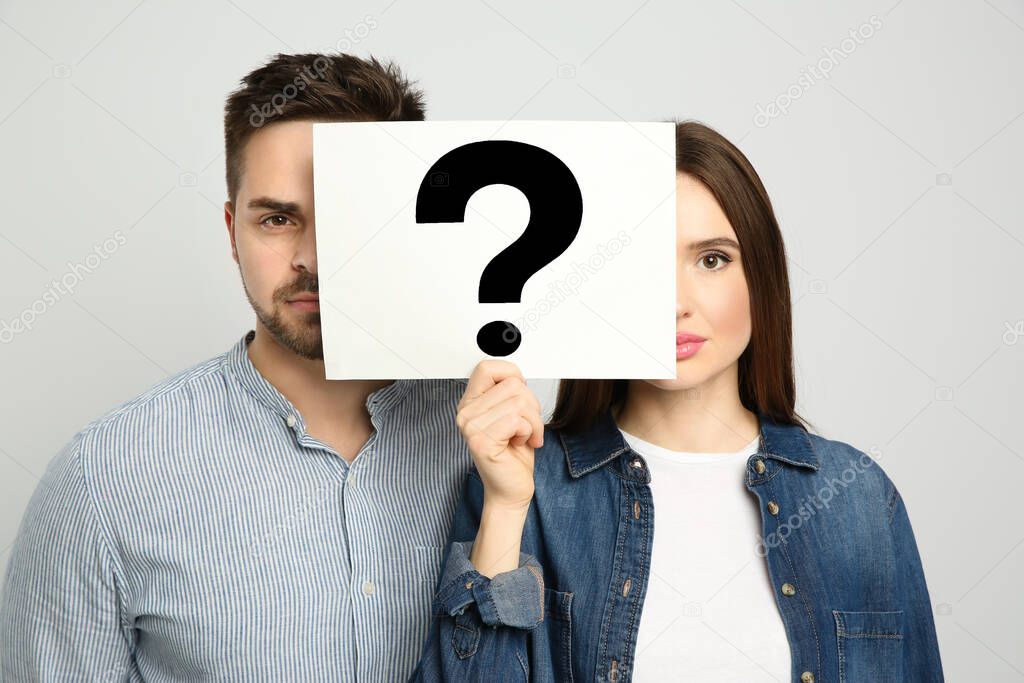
[(500, 420)]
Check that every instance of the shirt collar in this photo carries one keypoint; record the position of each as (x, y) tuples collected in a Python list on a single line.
[(602, 442), (239, 366)]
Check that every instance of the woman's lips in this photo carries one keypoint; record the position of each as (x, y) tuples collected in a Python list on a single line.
[(688, 349), (687, 345)]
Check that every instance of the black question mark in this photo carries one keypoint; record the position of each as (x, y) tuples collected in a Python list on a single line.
[(556, 211)]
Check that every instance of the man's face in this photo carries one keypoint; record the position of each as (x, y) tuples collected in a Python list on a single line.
[(273, 239)]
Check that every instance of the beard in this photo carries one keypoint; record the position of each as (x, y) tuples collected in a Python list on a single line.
[(298, 333)]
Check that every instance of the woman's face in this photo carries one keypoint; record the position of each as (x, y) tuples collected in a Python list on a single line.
[(712, 300)]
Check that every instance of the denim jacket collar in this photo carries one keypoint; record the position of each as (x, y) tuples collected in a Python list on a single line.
[(786, 443), (602, 442), (594, 447)]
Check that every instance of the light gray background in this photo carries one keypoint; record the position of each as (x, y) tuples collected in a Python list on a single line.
[(896, 181)]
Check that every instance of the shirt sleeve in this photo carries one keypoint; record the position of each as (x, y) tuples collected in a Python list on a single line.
[(921, 648), (61, 614), (511, 598), (509, 605)]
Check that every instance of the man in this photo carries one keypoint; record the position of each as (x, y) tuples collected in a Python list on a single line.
[(247, 519)]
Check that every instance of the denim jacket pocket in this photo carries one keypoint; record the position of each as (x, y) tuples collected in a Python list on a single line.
[(557, 634), (466, 634), (870, 646)]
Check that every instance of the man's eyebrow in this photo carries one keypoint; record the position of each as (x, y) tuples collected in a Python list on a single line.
[(274, 205), (714, 242)]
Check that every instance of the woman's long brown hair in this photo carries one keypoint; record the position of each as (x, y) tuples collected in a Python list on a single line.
[(766, 382)]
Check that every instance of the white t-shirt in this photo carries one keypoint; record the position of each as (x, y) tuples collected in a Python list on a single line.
[(709, 614)]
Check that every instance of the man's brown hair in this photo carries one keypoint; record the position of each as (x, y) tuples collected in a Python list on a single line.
[(320, 87)]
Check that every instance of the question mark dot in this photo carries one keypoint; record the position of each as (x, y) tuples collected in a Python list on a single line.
[(499, 338)]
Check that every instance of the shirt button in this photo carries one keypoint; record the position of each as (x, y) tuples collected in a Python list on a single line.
[(368, 587), (807, 677), (788, 589), (773, 507), (351, 479), (759, 466), (291, 420)]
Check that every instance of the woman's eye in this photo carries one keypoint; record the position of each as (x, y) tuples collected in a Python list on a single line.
[(714, 260)]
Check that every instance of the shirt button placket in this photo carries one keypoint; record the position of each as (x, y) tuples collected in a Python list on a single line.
[(789, 590), (614, 673)]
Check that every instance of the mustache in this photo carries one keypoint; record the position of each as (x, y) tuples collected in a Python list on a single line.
[(305, 285)]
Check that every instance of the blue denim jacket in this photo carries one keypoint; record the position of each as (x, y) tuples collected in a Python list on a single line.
[(835, 534)]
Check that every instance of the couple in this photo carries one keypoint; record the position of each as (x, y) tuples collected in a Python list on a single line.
[(247, 520)]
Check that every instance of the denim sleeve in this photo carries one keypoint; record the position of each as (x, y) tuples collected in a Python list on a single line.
[(512, 598), (480, 625), (61, 612), (920, 646)]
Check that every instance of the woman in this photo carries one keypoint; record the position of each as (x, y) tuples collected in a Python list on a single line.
[(556, 573)]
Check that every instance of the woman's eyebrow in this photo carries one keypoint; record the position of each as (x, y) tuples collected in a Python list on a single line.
[(714, 242)]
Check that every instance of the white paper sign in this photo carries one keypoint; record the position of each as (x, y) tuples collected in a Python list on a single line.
[(588, 291)]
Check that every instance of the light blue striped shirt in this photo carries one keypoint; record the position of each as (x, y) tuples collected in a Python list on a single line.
[(198, 533)]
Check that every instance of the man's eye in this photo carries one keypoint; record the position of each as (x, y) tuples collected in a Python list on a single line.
[(275, 221)]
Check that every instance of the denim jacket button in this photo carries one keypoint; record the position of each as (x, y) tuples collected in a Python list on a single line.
[(807, 677), (759, 466), (788, 589), (773, 507)]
